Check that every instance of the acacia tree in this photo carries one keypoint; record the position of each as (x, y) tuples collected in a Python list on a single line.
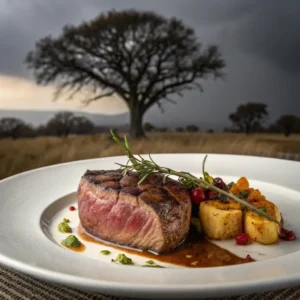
[(192, 128), (14, 128), (61, 124), (141, 57), (82, 125), (288, 124), (249, 117)]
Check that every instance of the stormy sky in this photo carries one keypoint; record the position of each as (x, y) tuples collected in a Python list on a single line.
[(259, 40)]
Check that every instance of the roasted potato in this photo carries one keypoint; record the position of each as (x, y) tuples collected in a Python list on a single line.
[(226, 220), (260, 229), (221, 221)]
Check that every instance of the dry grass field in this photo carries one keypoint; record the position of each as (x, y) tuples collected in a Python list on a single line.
[(25, 154)]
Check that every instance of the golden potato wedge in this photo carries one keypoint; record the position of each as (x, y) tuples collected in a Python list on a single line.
[(260, 229), (219, 220)]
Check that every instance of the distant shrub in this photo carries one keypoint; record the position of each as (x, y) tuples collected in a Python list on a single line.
[(179, 129), (148, 127), (15, 128), (192, 128), (162, 129)]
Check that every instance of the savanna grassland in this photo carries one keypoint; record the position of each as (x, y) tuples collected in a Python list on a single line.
[(25, 154)]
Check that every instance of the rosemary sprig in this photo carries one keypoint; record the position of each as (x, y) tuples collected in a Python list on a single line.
[(145, 167)]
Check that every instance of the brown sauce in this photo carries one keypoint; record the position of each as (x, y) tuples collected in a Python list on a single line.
[(195, 252), (81, 248)]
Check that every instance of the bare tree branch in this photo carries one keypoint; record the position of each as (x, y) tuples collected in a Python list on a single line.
[(86, 102), (160, 107), (140, 56), (169, 100)]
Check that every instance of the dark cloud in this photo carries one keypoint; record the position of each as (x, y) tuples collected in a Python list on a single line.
[(23, 23), (259, 39), (212, 12), (11, 48), (267, 29), (272, 33)]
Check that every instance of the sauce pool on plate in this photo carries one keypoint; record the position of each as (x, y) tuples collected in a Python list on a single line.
[(194, 252), (81, 248)]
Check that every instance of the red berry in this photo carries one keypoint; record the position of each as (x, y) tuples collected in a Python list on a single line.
[(249, 258), (282, 232), (211, 194), (71, 208), (219, 183), (242, 239), (198, 195), (218, 180), (291, 236), (287, 235)]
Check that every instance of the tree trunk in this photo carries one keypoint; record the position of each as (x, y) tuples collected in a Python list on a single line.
[(287, 132), (136, 123), (248, 128)]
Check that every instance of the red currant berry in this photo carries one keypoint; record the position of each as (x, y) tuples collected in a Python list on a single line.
[(198, 195), (242, 239)]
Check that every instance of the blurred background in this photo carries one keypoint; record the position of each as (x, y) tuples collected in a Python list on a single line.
[(202, 76)]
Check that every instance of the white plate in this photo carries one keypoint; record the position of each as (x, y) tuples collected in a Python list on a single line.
[(30, 204)]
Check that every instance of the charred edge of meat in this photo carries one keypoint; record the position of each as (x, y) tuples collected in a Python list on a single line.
[(112, 180)]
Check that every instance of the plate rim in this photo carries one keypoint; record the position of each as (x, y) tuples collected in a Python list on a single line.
[(122, 289), (232, 288)]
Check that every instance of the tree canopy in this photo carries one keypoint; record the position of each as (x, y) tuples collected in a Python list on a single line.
[(148, 127), (192, 128), (61, 124), (64, 123), (15, 128), (141, 57), (249, 117), (288, 124)]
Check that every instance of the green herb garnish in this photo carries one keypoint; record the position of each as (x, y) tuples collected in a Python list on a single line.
[(66, 220), (152, 264), (223, 198), (220, 197), (262, 208), (64, 227), (123, 259), (206, 176), (71, 241), (105, 252), (144, 168), (243, 194), (187, 183), (230, 185)]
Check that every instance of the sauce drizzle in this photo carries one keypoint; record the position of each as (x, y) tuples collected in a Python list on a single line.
[(195, 252), (81, 248)]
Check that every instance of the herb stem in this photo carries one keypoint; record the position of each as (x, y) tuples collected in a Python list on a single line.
[(146, 167)]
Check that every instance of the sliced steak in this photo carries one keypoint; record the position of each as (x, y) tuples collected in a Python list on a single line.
[(149, 216)]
